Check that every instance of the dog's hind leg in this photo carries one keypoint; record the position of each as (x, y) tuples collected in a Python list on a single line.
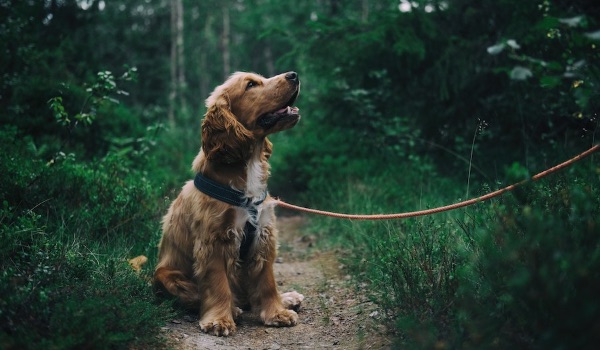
[(179, 285), (267, 298), (292, 300)]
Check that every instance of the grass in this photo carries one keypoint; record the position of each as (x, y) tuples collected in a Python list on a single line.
[(68, 229), (74, 293), (506, 273)]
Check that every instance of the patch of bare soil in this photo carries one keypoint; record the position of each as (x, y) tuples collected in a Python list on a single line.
[(333, 315)]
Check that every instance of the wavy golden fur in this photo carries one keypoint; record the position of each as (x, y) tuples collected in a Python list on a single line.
[(199, 253)]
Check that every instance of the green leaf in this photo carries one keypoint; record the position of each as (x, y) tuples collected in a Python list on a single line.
[(513, 43), (550, 81), (547, 23), (496, 49), (520, 73), (573, 21), (555, 66), (593, 35), (516, 173), (582, 96)]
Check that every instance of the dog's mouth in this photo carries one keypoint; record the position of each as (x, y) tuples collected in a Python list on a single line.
[(286, 112)]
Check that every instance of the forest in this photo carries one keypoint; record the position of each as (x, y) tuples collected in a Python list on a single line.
[(406, 105)]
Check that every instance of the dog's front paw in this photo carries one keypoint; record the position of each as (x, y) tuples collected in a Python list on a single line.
[(292, 300), (280, 318), (221, 327)]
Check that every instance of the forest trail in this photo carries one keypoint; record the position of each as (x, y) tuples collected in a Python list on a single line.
[(333, 314)]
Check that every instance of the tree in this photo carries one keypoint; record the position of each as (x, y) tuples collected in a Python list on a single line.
[(178, 80), (225, 41)]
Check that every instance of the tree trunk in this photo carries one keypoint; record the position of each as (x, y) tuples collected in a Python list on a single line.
[(334, 7), (225, 43), (176, 96), (173, 92), (204, 78), (269, 60), (181, 82)]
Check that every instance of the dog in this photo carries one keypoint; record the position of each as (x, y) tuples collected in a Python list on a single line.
[(219, 240)]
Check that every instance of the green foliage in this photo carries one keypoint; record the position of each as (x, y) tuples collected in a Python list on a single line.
[(98, 93), (533, 275), (70, 295), (68, 228), (397, 83), (521, 271), (559, 56), (416, 268)]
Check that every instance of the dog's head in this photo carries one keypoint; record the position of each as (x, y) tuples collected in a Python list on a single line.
[(247, 107)]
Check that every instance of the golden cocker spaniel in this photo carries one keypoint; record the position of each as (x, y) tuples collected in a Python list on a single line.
[(219, 238)]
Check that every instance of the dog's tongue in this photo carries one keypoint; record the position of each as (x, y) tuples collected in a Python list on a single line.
[(288, 110)]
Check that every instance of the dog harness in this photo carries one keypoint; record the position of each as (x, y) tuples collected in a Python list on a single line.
[(237, 198)]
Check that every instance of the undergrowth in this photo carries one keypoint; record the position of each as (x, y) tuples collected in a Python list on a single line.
[(72, 214), (68, 229), (520, 271)]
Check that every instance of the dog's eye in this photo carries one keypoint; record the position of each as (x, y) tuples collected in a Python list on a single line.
[(251, 84)]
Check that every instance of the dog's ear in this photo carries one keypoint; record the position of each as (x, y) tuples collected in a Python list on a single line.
[(224, 138), (267, 149)]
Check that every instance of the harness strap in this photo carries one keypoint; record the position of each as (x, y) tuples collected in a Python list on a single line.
[(236, 198)]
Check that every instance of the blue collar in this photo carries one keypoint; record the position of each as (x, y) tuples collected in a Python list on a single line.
[(236, 198)]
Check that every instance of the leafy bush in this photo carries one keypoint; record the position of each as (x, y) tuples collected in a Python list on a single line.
[(70, 295), (520, 271), (68, 227), (534, 278)]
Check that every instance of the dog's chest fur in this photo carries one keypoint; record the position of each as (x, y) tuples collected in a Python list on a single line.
[(257, 172), (256, 176)]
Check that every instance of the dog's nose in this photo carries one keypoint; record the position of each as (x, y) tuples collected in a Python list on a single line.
[(292, 76)]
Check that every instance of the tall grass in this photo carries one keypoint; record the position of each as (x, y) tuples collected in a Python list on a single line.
[(67, 230), (519, 271)]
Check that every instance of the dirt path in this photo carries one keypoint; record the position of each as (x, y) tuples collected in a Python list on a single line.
[(333, 315)]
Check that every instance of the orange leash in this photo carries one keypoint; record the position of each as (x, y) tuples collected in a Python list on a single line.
[(536, 177)]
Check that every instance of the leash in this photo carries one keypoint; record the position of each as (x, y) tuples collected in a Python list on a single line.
[(462, 204)]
